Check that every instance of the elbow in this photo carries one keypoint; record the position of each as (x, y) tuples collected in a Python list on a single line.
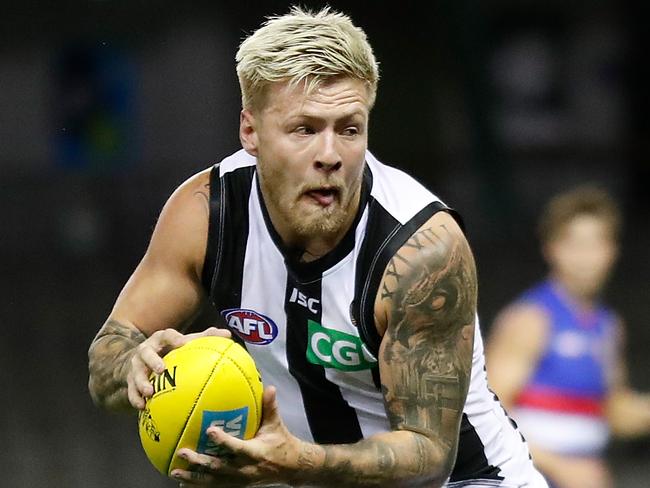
[(435, 467), (109, 360), (95, 394), (447, 466), (104, 392), (435, 477), (114, 400), (93, 383)]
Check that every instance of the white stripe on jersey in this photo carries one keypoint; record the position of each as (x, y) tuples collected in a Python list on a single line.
[(235, 161), (263, 290), (386, 180)]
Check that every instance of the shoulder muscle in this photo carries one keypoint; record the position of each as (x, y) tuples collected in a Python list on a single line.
[(435, 263), (181, 231)]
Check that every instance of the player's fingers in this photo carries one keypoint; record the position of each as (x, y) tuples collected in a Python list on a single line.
[(193, 478), (139, 375), (150, 359), (230, 443), (134, 396), (169, 339), (203, 461), (270, 410), (213, 331), (207, 469)]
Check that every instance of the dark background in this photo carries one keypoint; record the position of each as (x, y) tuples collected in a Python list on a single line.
[(106, 106)]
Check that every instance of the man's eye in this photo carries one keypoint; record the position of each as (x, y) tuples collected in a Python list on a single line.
[(351, 131), (304, 130)]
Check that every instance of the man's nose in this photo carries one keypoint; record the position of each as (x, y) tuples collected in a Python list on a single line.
[(328, 158)]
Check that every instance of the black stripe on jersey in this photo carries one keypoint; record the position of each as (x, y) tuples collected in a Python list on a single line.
[(222, 270), (331, 420), (213, 229), (384, 236), (471, 462)]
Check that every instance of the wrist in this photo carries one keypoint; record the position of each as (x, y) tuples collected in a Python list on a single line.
[(309, 462)]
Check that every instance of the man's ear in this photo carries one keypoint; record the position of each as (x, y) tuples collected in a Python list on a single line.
[(248, 132)]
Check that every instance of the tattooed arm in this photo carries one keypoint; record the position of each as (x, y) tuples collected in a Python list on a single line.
[(163, 293), (429, 295), (425, 310)]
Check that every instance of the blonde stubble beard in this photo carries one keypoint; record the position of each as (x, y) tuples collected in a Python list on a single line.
[(325, 223)]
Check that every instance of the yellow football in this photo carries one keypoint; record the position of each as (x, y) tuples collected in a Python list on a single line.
[(208, 381)]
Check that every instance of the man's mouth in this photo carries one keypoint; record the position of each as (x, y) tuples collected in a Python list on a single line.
[(323, 196)]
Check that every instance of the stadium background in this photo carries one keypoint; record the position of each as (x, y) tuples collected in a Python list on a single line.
[(107, 106)]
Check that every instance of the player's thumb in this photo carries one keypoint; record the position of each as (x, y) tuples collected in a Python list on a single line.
[(213, 331), (270, 411)]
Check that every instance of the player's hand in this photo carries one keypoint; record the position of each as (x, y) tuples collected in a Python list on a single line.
[(148, 357), (273, 455)]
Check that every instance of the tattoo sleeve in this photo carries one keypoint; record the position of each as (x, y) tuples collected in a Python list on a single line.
[(429, 292), (108, 357), (426, 354)]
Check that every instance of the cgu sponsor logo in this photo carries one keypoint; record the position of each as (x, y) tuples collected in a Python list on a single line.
[(335, 349), (252, 327)]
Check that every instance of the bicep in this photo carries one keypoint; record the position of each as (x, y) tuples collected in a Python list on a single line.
[(518, 338), (156, 297), (165, 289), (425, 356)]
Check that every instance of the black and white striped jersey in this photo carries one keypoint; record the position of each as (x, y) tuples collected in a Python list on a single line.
[(309, 326)]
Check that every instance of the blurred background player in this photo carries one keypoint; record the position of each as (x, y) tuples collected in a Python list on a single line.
[(555, 356)]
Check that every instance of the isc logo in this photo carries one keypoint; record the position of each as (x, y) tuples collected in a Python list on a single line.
[(300, 298), (232, 422), (251, 326)]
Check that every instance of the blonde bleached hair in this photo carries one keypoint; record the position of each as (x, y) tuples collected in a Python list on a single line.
[(304, 46)]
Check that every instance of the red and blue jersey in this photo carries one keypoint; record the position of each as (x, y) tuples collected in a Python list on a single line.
[(570, 379)]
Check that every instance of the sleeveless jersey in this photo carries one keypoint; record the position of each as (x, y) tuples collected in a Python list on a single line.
[(561, 407), (310, 326)]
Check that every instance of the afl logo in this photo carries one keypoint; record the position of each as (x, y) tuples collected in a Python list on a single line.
[(251, 326)]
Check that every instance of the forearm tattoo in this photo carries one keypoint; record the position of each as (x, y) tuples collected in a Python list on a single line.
[(367, 463), (108, 359), (379, 461)]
